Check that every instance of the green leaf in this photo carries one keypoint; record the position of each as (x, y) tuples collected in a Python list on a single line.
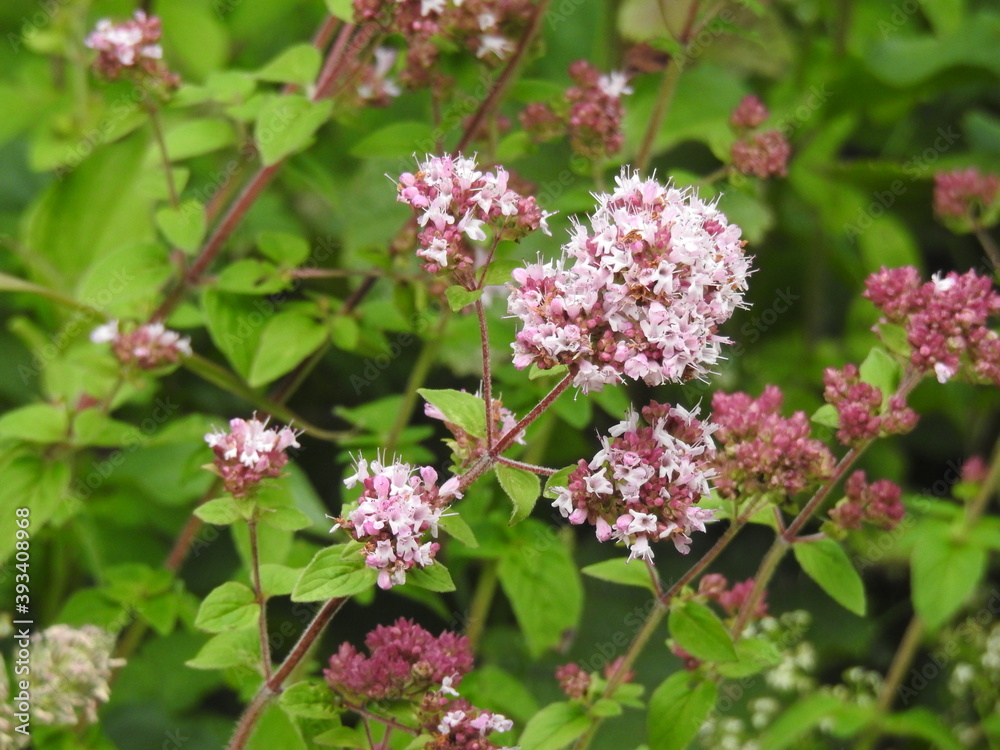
[(283, 248), (342, 9), (543, 584), (827, 416), (92, 427), (287, 339), (698, 631), (278, 580), (459, 297), (396, 141), (328, 575), (454, 525), (234, 323), (616, 571), (922, 723), (184, 226), (310, 699), (289, 519), (36, 423), (798, 721), (826, 563), (231, 606), (522, 487), (500, 272), (160, 612), (345, 332), (235, 648), (880, 370), (299, 64), (29, 481), (536, 373), (754, 655), (677, 711), (221, 511), (433, 578), (554, 727), (342, 737), (559, 479), (945, 573), (460, 408), (195, 138), (251, 276), (286, 125)]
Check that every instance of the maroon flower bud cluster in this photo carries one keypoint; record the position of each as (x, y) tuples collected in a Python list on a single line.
[(877, 503), (573, 681), (975, 470), (761, 154), (750, 113), (465, 447), (147, 347), (404, 662), (945, 320), (645, 482), (250, 453), (715, 588), (592, 112), (860, 410), (488, 28), (131, 47), (453, 201), (762, 452), (966, 198)]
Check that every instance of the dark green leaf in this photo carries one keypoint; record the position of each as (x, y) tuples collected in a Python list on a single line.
[(522, 487), (231, 606), (698, 631), (287, 339), (283, 248), (286, 125), (616, 571), (945, 573), (826, 563), (677, 711), (554, 727), (328, 575)]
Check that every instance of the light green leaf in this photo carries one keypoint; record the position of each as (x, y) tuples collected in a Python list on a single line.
[(945, 573), (221, 511), (559, 479), (754, 655), (522, 487), (698, 631), (289, 519), (287, 339), (454, 525), (29, 481), (461, 408), (677, 711), (36, 423), (195, 138), (286, 125), (299, 64), (342, 737), (554, 727), (880, 370), (342, 9), (536, 373), (433, 578), (827, 416), (184, 226), (235, 648), (328, 575), (234, 322), (826, 563), (231, 606), (251, 276), (310, 699), (616, 571), (278, 580), (283, 248), (500, 272), (345, 332), (92, 427), (396, 141), (459, 297), (160, 611)]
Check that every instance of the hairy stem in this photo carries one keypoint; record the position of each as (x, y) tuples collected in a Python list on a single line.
[(265, 647), (484, 342), (541, 470)]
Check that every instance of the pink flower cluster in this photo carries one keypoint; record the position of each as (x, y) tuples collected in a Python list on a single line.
[(860, 410), (761, 452), (250, 453), (573, 681), (945, 320), (715, 588), (593, 112), (760, 154), (454, 201), (395, 511), (147, 347), (644, 483), (130, 46), (650, 283), (465, 447), (877, 503), (405, 661), (966, 197), (464, 727), (375, 85), (488, 28)]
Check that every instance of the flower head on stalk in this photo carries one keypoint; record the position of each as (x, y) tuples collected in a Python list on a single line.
[(71, 674), (398, 507), (762, 154), (641, 293), (131, 47), (644, 484), (249, 453), (965, 199), (454, 201), (945, 320), (863, 411), (877, 503), (147, 347)]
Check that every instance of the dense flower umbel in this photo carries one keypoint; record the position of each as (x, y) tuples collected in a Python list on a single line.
[(249, 453), (877, 503), (466, 447), (454, 201), (396, 510), (762, 452), (859, 407), (71, 671), (464, 727), (147, 347), (649, 284), (644, 483), (405, 662), (966, 198), (945, 320), (130, 47)]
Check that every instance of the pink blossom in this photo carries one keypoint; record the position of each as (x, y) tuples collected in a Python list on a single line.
[(860, 411), (147, 347), (749, 113), (130, 46), (250, 453), (963, 196), (573, 681), (762, 155), (877, 503), (644, 483)]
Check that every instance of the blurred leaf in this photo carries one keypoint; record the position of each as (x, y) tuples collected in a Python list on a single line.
[(554, 727), (433, 578), (616, 571), (283, 248), (459, 297), (454, 525), (29, 481), (522, 487), (287, 339), (221, 511), (196, 138), (826, 563), (945, 573), (184, 226), (234, 323), (922, 723), (311, 699), (396, 141), (287, 124), (677, 711), (194, 38), (299, 64), (698, 631), (753, 655), (798, 721), (250, 276), (36, 423)]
